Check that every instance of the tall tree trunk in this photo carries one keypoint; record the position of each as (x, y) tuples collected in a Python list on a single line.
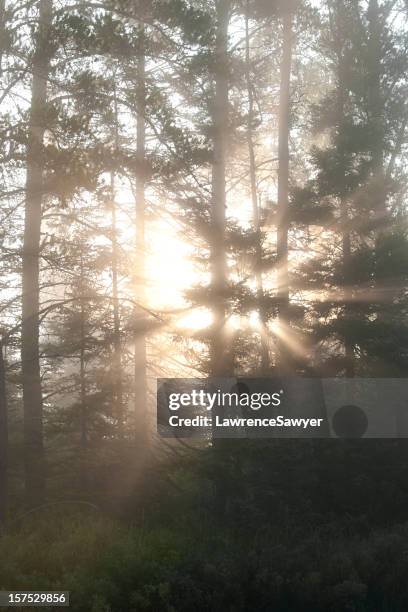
[(283, 190), (219, 364), (254, 198), (83, 391), (219, 354), (376, 102), (349, 347), (117, 344), (32, 392), (140, 355), (3, 440)]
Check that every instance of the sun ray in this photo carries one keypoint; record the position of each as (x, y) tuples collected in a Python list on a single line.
[(291, 338)]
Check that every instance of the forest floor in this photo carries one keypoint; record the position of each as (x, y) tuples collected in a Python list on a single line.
[(194, 564)]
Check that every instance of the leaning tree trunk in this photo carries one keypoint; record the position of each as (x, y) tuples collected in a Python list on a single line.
[(218, 350), (3, 440), (283, 192), (254, 198), (32, 392), (140, 354)]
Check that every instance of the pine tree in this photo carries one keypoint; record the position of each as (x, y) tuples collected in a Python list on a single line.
[(352, 183), (33, 432), (219, 364)]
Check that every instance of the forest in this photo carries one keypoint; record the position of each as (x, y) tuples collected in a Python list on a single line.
[(194, 189)]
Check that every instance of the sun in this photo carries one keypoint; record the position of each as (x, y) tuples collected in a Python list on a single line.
[(195, 319)]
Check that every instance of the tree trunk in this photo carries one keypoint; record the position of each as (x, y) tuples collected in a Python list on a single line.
[(376, 102), (140, 355), (254, 197), (218, 351), (117, 345), (349, 347), (377, 106), (219, 355), (3, 441), (348, 311), (83, 391), (32, 392), (283, 191)]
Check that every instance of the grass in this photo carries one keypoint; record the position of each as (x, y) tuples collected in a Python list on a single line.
[(112, 567)]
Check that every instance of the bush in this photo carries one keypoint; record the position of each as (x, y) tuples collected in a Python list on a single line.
[(110, 567)]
